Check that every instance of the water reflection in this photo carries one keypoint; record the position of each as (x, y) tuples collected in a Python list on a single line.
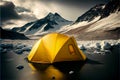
[(57, 71)]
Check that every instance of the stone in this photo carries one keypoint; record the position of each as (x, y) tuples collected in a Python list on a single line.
[(19, 67), (71, 72)]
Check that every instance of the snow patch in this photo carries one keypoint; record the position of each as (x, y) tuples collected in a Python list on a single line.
[(80, 24), (55, 29), (107, 23)]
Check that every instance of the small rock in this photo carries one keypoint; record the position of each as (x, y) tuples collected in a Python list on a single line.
[(26, 48), (82, 47), (105, 46), (19, 51), (71, 72), (107, 51), (6, 45), (19, 67), (97, 52), (98, 46), (19, 46)]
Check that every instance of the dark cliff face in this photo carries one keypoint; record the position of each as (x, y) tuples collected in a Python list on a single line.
[(5, 34), (111, 7), (91, 14), (102, 10)]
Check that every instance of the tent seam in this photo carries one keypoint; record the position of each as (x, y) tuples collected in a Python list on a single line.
[(61, 47)]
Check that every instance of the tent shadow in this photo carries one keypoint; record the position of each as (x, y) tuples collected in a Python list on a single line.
[(90, 61), (65, 67), (58, 71)]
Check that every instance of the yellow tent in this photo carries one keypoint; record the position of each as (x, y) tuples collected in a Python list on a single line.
[(55, 47)]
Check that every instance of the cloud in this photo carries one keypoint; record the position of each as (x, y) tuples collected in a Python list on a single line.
[(66, 8), (28, 16), (12, 16), (7, 11), (21, 9)]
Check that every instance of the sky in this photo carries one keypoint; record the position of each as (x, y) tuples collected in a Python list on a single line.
[(37, 9)]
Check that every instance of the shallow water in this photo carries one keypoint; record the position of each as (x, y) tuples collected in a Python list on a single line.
[(96, 67)]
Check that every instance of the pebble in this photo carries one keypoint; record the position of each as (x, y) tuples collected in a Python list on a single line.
[(71, 72), (20, 67)]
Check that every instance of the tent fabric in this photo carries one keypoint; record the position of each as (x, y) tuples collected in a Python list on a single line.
[(55, 47)]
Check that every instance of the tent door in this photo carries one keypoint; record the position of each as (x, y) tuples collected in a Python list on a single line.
[(71, 49)]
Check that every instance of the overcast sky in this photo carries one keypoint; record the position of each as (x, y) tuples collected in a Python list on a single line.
[(69, 9)]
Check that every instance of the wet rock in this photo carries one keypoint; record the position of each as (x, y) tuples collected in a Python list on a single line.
[(98, 46), (19, 51), (19, 46), (97, 52), (107, 51), (82, 47), (71, 72), (6, 45), (20, 67), (105, 46), (22, 48), (26, 48)]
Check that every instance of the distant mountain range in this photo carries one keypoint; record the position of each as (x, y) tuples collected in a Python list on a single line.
[(100, 22), (51, 22)]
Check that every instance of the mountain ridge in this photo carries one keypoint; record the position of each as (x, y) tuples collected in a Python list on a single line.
[(51, 20), (102, 10)]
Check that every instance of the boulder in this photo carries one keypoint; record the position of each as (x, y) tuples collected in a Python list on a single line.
[(82, 47), (105, 46), (98, 46)]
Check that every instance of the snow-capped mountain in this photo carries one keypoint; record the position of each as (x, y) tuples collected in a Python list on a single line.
[(102, 10), (100, 22), (51, 22)]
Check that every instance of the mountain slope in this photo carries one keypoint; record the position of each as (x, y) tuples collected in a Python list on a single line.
[(51, 22), (102, 10), (100, 22), (5, 34)]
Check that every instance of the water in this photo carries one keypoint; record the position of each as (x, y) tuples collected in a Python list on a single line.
[(96, 67)]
